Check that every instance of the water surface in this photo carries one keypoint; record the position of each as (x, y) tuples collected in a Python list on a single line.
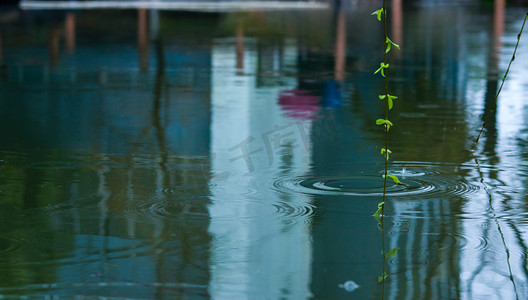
[(150, 154)]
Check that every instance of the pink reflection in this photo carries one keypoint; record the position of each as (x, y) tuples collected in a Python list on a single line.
[(142, 39), (340, 50), (397, 23), (300, 104), (70, 32), (498, 23), (240, 49)]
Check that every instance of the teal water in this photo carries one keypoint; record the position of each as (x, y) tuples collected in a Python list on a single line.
[(150, 154)]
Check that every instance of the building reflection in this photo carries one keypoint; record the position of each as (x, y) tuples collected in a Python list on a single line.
[(253, 142), (140, 147)]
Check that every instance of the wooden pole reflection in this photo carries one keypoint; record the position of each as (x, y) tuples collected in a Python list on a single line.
[(340, 46), (69, 25), (397, 24), (498, 24), (54, 39), (143, 39), (240, 49), (492, 83)]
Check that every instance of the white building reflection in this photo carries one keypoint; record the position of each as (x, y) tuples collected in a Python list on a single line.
[(256, 250)]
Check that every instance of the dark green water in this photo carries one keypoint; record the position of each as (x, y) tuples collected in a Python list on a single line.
[(170, 155)]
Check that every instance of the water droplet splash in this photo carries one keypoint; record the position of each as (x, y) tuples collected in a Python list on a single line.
[(416, 182), (349, 286)]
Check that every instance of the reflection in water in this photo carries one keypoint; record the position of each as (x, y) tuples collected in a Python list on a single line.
[(54, 39), (142, 35), (340, 52), (234, 159), (240, 49), (69, 26), (397, 24), (253, 143)]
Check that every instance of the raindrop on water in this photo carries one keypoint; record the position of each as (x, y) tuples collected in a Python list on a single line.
[(349, 286)]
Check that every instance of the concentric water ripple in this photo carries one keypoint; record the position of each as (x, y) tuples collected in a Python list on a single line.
[(295, 212), (10, 244), (151, 208), (415, 183)]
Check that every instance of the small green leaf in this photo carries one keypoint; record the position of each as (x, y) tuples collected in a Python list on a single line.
[(387, 154), (386, 122), (383, 121), (389, 42), (377, 214), (378, 13), (394, 178), (382, 68), (390, 99), (382, 96), (383, 277), (392, 252)]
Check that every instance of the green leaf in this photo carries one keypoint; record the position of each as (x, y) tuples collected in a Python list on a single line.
[(383, 277), (383, 121), (392, 252), (394, 178), (377, 214), (390, 99), (386, 122), (382, 96), (388, 152), (380, 207), (390, 43), (381, 69), (378, 13)]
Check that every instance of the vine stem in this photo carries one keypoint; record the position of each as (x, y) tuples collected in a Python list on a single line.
[(386, 156), (494, 106)]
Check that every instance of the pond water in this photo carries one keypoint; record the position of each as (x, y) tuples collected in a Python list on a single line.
[(153, 154)]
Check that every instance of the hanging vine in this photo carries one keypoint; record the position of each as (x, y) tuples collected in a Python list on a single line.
[(502, 84), (388, 102)]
